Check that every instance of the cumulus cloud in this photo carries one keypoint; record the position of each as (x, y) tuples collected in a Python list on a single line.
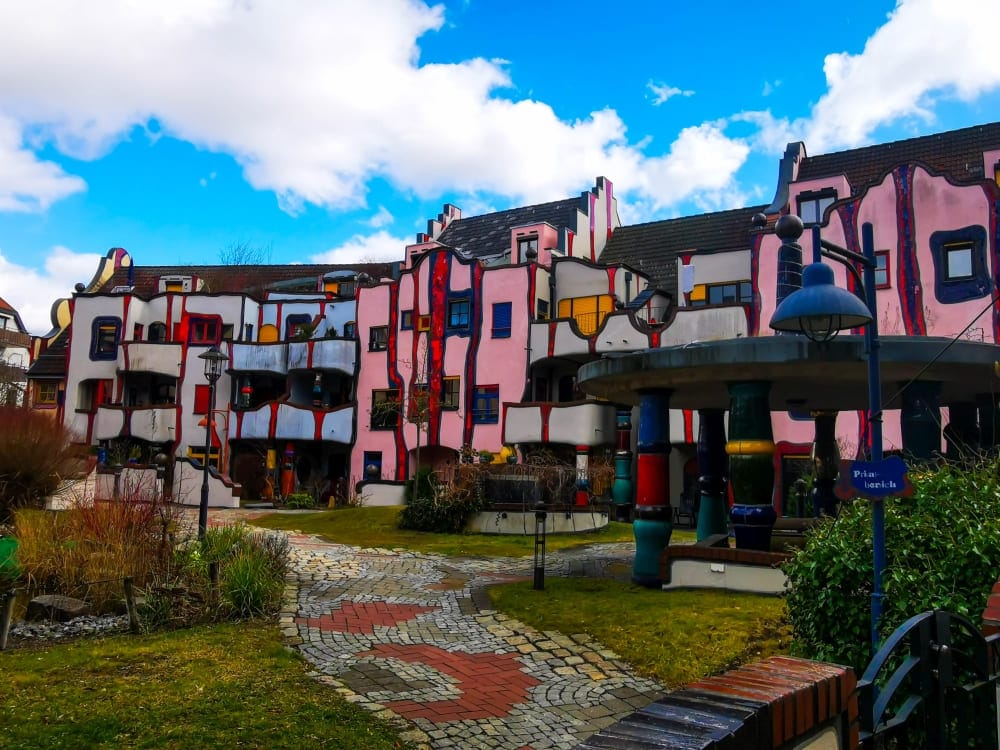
[(382, 218), (31, 291), (662, 92), (371, 248), (26, 183)]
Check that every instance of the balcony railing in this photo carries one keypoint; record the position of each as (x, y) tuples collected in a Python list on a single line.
[(155, 357), (260, 358)]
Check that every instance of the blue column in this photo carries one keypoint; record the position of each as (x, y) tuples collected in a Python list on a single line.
[(652, 526)]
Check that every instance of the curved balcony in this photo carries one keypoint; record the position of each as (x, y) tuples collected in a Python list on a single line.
[(571, 423), (142, 356), (155, 423), (109, 422), (283, 421), (323, 354), (259, 358)]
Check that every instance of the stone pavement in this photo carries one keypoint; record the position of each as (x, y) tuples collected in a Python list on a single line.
[(411, 637)]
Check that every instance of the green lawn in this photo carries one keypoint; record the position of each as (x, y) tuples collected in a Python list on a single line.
[(219, 686), (376, 527), (673, 636)]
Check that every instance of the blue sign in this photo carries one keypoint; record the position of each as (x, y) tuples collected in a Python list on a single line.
[(873, 479)]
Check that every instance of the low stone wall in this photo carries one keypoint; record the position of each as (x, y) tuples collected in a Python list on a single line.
[(696, 566), (516, 519)]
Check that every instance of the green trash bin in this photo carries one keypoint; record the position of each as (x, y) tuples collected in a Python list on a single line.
[(8, 557)]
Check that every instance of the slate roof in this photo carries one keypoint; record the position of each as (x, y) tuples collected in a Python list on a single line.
[(652, 247), (52, 362), (956, 153), (489, 234), (252, 279)]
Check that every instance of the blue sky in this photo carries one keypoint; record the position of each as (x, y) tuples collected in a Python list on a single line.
[(330, 131)]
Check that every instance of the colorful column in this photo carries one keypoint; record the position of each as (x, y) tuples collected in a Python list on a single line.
[(621, 492), (713, 517), (751, 464), (582, 475), (962, 432), (789, 229), (920, 420), (826, 463), (652, 526)]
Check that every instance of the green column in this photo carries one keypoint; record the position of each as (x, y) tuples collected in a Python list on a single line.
[(751, 464), (713, 516)]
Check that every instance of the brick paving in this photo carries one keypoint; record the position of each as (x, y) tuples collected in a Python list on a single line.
[(411, 637)]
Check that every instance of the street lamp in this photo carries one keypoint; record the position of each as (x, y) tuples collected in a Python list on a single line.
[(819, 310), (214, 360), (540, 515)]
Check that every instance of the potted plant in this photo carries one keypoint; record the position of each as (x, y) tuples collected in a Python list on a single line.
[(485, 457)]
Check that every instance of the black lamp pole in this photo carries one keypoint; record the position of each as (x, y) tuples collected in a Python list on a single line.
[(214, 360), (540, 516)]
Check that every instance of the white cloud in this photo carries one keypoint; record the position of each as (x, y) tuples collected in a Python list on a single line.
[(769, 87), (382, 218), (26, 183), (662, 92), (372, 248), (32, 291)]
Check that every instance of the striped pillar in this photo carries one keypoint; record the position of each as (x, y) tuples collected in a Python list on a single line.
[(920, 420), (826, 463), (713, 517), (652, 526), (582, 475), (751, 464), (621, 492)]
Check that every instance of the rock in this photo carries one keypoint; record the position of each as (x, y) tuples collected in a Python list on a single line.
[(56, 607)]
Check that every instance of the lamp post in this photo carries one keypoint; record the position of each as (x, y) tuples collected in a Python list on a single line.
[(214, 360), (160, 460), (540, 515), (819, 310)]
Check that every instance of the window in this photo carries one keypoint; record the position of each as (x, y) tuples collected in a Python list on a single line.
[(727, 293), (93, 393), (486, 404), (957, 262), (458, 314), (104, 338), (406, 320), (200, 399), (157, 332), (588, 312), (424, 323), (197, 453), (542, 309), (812, 206), (385, 408), (298, 326), (350, 329), (540, 389), (204, 330), (524, 244), (137, 332), (882, 269), (346, 289), (501, 320), (378, 338), (373, 464), (46, 393), (450, 392), (228, 331)]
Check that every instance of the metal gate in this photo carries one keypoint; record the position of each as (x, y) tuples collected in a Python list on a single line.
[(931, 685)]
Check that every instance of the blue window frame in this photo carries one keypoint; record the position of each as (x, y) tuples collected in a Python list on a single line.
[(501, 320), (960, 269), (459, 314), (104, 338), (486, 404), (294, 324), (406, 320)]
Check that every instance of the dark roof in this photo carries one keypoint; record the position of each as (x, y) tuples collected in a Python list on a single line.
[(651, 248), (956, 153), (52, 362), (232, 279), (489, 234)]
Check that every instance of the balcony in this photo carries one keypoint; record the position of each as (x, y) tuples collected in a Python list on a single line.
[(10, 337), (571, 423), (259, 358), (289, 422), (155, 424), (323, 354), (109, 422), (158, 358)]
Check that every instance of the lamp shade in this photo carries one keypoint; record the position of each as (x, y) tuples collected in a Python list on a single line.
[(214, 359), (820, 308)]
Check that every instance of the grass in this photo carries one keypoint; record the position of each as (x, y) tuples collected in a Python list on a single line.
[(672, 636), (376, 527), (179, 689)]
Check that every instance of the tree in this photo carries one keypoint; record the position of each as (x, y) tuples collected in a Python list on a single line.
[(36, 455), (243, 253)]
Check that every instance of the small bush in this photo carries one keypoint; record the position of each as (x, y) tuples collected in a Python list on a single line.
[(249, 586), (941, 554), (443, 508), (300, 500)]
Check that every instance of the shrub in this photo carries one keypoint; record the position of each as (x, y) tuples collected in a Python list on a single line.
[(36, 455), (249, 586), (941, 554), (300, 500), (443, 508)]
